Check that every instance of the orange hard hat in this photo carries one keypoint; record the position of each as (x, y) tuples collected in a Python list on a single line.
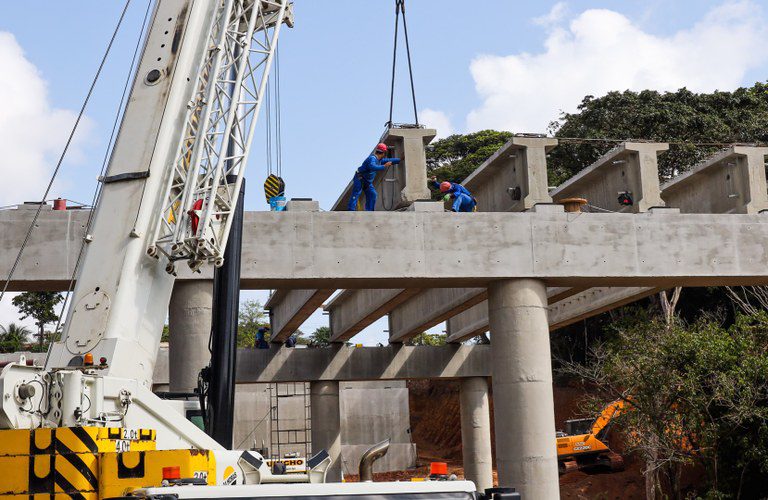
[(445, 187)]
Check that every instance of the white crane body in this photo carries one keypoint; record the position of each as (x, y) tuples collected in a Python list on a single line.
[(171, 185)]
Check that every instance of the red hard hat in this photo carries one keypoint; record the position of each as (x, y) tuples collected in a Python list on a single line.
[(445, 187), (382, 147)]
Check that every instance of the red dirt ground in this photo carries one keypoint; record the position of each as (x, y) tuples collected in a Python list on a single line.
[(436, 430)]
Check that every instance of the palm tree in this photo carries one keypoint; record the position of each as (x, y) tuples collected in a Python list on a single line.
[(13, 337)]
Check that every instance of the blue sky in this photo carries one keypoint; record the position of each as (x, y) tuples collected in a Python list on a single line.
[(505, 64)]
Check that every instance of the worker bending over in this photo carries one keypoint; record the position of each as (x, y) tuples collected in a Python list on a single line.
[(463, 201), (364, 176)]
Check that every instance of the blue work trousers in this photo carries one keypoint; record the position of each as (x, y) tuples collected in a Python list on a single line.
[(358, 186), (463, 203)]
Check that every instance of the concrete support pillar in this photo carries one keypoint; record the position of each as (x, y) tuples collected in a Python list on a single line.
[(524, 410), (189, 321), (476, 432), (326, 424)]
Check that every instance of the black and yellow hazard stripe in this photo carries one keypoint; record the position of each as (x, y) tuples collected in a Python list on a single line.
[(273, 186)]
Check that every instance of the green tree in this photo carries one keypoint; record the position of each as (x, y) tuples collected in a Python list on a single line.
[(740, 116), (13, 337), (455, 157), (321, 337), (425, 338), (166, 335), (697, 393), (251, 317), (40, 307)]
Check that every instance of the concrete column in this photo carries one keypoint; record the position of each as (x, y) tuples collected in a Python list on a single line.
[(524, 410), (326, 424), (189, 321), (476, 432)]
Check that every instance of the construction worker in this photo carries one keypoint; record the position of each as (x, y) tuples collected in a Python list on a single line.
[(261, 341), (364, 176), (463, 201)]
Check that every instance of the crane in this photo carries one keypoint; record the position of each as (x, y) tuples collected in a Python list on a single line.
[(86, 424)]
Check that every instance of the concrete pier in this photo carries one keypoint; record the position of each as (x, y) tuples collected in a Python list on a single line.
[(476, 432), (326, 424), (526, 455), (189, 322)]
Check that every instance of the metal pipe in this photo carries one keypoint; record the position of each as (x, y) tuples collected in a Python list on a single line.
[(373, 453)]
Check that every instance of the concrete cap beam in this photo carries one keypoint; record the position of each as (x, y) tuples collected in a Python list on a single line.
[(731, 181), (631, 167), (344, 363)]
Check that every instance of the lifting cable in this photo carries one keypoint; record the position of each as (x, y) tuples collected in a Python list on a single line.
[(105, 161), (65, 150), (400, 9)]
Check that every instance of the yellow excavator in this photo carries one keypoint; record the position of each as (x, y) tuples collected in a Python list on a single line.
[(584, 444)]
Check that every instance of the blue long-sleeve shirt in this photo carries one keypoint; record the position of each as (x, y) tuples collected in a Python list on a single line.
[(371, 165), (456, 190)]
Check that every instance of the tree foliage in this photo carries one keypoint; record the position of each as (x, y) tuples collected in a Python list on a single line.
[(433, 339), (455, 157), (251, 317), (14, 337), (40, 307), (697, 392), (740, 116), (321, 337)]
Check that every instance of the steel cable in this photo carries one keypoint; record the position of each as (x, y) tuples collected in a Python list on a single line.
[(66, 149)]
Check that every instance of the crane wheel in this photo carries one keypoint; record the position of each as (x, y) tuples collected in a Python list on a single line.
[(566, 466), (616, 462)]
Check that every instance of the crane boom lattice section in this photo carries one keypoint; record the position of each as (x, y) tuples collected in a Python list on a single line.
[(201, 194)]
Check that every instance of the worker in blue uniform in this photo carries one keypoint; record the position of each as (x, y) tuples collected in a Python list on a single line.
[(364, 176), (463, 201)]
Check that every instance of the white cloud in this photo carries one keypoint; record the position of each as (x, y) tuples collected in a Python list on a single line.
[(555, 15), (438, 121), (601, 50), (32, 135), (32, 132)]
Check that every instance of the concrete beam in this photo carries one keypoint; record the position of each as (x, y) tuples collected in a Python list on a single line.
[(346, 363), (289, 309), (474, 321), (630, 167), (514, 178), (732, 181), (353, 310), (429, 309), (593, 302), (405, 183), (412, 249)]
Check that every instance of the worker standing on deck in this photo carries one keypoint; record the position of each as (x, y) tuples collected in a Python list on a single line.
[(364, 176), (463, 201)]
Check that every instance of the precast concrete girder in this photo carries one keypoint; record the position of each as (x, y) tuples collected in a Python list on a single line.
[(289, 309), (430, 308), (631, 168), (514, 178), (732, 181), (353, 310), (474, 320)]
